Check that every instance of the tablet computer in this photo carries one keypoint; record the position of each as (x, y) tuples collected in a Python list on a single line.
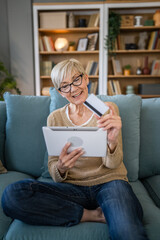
[(93, 140)]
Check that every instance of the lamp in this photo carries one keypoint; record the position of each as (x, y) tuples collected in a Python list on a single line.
[(61, 44)]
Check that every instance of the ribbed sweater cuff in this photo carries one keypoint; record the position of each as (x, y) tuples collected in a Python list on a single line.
[(57, 176)]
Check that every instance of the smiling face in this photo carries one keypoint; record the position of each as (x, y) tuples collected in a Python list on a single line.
[(77, 94)]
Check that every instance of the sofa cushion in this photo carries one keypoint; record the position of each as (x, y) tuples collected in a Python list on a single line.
[(2, 129), (25, 147), (5, 180), (152, 184), (151, 213), (129, 107), (150, 138), (83, 231), (87, 231)]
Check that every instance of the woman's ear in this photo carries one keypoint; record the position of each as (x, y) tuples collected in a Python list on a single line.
[(87, 79)]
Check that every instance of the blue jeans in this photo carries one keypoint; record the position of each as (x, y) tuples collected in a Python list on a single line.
[(62, 204)]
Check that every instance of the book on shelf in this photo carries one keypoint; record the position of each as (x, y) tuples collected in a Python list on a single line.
[(46, 68), (88, 67), (92, 41), (149, 89), (51, 42), (94, 20), (114, 87), (117, 69), (92, 87), (92, 68), (155, 70), (158, 41), (47, 43), (153, 40), (41, 45), (120, 43)]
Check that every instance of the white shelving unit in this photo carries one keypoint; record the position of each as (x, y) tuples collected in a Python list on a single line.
[(80, 9), (146, 9), (101, 54)]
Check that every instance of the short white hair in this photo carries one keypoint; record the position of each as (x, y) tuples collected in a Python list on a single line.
[(65, 69)]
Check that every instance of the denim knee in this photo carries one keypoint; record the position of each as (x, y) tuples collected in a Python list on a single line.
[(12, 195), (128, 231)]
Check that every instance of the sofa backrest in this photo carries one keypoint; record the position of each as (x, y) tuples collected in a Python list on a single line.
[(2, 129), (25, 147), (150, 138)]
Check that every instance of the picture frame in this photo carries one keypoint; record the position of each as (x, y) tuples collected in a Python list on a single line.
[(117, 69), (92, 41), (82, 44)]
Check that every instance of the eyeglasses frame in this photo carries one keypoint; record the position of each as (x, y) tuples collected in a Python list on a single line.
[(72, 83)]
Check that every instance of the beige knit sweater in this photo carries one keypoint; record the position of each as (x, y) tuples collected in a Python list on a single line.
[(88, 171)]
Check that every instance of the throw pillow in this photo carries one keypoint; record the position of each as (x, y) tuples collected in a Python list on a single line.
[(25, 146), (57, 101)]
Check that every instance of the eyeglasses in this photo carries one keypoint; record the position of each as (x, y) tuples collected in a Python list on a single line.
[(76, 82)]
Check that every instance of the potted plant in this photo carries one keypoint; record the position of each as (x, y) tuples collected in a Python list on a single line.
[(7, 81), (127, 70), (71, 46), (114, 24)]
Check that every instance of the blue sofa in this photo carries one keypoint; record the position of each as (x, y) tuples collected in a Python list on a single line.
[(23, 153)]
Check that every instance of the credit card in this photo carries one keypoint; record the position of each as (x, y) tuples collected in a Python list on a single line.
[(96, 105)]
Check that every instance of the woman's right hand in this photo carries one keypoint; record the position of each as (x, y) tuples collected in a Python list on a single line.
[(67, 160)]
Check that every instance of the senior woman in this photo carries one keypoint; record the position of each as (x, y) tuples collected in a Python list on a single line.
[(84, 188)]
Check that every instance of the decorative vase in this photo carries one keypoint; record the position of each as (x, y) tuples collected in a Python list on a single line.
[(71, 48), (127, 72), (138, 21), (139, 69), (71, 20), (146, 69), (129, 89), (156, 18)]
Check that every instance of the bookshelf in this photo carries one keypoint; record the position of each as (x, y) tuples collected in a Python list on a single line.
[(128, 34), (80, 11), (131, 34)]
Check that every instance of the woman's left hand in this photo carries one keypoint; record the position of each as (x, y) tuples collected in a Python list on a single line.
[(112, 124)]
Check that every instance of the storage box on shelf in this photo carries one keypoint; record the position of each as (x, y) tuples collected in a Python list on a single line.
[(134, 45), (79, 24)]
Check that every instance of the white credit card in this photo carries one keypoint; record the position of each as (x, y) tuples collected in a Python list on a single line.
[(96, 105)]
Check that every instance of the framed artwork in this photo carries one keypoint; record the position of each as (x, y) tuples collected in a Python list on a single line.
[(117, 69), (92, 41), (82, 44)]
